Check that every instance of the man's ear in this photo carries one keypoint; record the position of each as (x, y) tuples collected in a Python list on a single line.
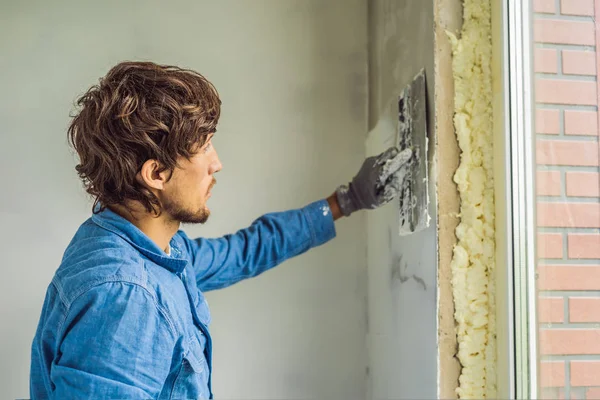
[(150, 176)]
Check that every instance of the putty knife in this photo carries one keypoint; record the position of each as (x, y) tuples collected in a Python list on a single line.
[(412, 133)]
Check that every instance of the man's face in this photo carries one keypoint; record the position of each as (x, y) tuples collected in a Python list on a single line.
[(186, 193)]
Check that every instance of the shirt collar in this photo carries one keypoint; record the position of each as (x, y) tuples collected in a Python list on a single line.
[(113, 222)]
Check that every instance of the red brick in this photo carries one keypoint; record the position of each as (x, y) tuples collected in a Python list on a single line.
[(551, 309), (569, 341), (547, 121), (549, 245), (583, 245), (555, 91), (569, 215), (546, 61), (568, 277), (581, 123), (552, 373), (579, 62), (577, 7), (564, 32), (583, 184), (555, 152), (544, 6), (548, 183), (584, 309), (592, 393), (585, 373)]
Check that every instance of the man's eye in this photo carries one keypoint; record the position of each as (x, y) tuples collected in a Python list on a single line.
[(208, 146)]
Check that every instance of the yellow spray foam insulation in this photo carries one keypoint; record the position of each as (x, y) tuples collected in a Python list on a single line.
[(473, 261)]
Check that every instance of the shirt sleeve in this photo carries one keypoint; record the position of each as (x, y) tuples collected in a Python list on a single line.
[(270, 240), (116, 343)]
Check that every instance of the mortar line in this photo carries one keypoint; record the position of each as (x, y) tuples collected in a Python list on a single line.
[(574, 357), (558, 229), (561, 121), (567, 168), (567, 199), (570, 293), (542, 137), (566, 309), (565, 245), (565, 17), (567, 138), (571, 326), (579, 392), (567, 379), (559, 61), (569, 107), (561, 46), (566, 77), (558, 262)]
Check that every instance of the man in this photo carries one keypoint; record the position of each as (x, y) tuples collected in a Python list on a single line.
[(125, 315)]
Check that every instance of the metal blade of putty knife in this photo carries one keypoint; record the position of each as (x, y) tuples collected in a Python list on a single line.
[(412, 133)]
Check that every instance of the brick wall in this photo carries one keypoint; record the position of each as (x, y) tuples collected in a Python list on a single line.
[(568, 190)]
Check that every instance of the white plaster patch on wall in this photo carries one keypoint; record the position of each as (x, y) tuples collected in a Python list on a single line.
[(473, 262)]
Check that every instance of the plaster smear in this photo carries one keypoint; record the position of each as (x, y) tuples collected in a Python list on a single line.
[(473, 261)]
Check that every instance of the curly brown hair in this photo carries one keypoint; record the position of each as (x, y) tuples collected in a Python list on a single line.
[(139, 111)]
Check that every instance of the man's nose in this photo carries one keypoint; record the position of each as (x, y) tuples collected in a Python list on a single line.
[(216, 165)]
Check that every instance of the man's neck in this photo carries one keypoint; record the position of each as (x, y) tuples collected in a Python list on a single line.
[(159, 229)]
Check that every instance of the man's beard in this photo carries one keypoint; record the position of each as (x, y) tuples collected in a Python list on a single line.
[(184, 216)]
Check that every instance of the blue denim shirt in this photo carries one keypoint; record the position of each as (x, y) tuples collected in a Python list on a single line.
[(122, 319)]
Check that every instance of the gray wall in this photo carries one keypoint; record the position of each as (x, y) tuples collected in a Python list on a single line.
[(402, 323), (292, 75)]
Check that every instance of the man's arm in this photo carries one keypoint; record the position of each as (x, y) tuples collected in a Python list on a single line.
[(116, 344), (276, 237), (270, 240)]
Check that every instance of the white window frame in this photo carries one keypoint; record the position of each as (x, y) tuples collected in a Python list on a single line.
[(520, 205)]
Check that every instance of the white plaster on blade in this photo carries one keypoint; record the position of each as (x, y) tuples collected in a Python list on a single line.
[(412, 134)]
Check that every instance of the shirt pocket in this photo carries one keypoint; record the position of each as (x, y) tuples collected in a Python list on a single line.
[(192, 379)]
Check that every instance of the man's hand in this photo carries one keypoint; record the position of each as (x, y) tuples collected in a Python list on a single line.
[(378, 181)]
